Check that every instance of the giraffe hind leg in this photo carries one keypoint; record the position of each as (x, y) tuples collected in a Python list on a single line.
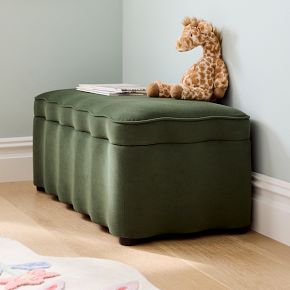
[(164, 90), (159, 89)]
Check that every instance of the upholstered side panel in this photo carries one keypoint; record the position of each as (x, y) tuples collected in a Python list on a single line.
[(141, 191)]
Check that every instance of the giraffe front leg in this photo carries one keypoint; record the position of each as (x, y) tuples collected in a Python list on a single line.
[(159, 89), (190, 93), (196, 93)]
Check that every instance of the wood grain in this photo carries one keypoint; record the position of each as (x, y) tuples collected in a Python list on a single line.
[(223, 261)]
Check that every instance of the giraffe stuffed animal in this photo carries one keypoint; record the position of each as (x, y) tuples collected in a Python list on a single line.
[(206, 80)]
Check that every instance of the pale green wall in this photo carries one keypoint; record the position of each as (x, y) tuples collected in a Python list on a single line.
[(256, 49), (52, 44)]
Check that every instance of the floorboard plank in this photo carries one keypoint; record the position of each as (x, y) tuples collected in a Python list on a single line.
[(213, 261)]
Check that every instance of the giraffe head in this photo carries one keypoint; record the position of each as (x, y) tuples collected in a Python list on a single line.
[(195, 32)]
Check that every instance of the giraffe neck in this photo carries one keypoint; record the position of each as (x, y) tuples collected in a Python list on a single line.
[(212, 49)]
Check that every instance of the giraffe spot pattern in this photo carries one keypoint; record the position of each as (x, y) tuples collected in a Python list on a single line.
[(210, 72)]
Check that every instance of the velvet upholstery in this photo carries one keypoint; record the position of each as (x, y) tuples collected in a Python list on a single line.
[(144, 166)]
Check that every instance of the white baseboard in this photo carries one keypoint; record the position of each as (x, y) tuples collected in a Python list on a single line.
[(15, 159), (271, 207)]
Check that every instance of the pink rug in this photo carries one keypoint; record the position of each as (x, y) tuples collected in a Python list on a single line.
[(21, 268)]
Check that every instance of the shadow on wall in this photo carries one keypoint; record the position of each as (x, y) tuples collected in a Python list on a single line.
[(232, 60), (255, 137), (262, 148)]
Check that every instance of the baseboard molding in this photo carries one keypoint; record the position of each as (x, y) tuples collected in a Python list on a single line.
[(15, 159), (271, 207)]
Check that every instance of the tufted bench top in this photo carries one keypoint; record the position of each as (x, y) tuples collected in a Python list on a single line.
[(139, 120)]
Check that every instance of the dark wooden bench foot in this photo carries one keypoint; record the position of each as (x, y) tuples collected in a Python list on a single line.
[(128, 242), (39, 188)]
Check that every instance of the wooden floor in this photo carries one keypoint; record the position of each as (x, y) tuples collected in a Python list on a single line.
[(245, 261)]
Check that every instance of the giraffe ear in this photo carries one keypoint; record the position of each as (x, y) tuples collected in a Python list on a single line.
[(205, 27)]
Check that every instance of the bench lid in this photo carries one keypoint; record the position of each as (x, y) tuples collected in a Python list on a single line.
[(140, 120)]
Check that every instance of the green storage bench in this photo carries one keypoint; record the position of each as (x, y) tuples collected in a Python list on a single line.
[(144, 166)]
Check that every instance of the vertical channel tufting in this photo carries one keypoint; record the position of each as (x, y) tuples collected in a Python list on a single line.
[(49, 171), (81, 174), (74, 166), (71, 165), (99, 180), (58, 178), (90, 185), (110, 185), (38, 151), (65, 166), (73, 154)]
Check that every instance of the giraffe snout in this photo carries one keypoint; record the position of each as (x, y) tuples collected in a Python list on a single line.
[(184, 44), (179, 45)]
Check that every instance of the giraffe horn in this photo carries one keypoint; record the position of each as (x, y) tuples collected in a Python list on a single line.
[(186, 21), (194, 21)]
